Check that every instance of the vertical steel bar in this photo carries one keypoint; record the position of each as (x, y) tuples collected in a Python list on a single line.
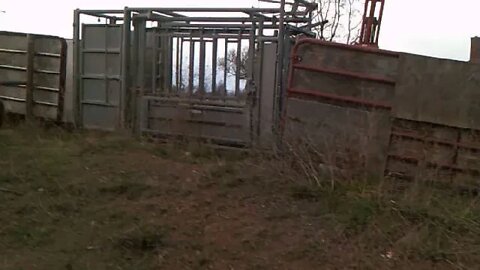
[(141, 52), (165, 62), (77, 107), (30, 102), (225, 70), (134, 74), (177, 62), (169, 57), (279, 77), (182, 41), (191, 66), (155, 58), (142, 46), (201, 69), (238, 62), (251, 54), (259, 80), (380, 18), (105, 58), (251, 85), (214, 64), (371, 22), (125, 78), (62, 81)]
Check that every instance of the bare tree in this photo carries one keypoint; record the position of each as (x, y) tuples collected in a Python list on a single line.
[(233, 61), (339, 20)]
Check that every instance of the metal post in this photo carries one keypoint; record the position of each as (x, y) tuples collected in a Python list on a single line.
[(214, 63), (177, 63), (279, 78), (225, 70), (105, 61), (169, 67), (76, 70), (238, 64), (167, 59), (142, 41), (202, 61), (62, 82), (191, 66), (30, 102), (251, 86), (155, 61), (180, 69), (259, 80)]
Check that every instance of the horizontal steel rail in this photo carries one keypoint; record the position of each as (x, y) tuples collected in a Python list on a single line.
[(293, 92), (345, 73), (358, 48), (415, 137), (435, 165)]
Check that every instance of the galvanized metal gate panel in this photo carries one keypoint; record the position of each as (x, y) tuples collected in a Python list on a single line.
[(184, 93), (212, 121), (32, 74), (100, 82), (13, 64)]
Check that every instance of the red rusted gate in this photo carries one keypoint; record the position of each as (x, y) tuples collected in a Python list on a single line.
[(339, 103)]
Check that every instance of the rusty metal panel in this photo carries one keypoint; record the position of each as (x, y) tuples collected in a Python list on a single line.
[(417, 149), (339, 103), (369, 62), (339, 132), (47, 84)]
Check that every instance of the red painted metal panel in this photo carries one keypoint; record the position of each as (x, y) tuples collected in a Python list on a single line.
[(436, 141), (292, 92), (303, 41), (349, 74)]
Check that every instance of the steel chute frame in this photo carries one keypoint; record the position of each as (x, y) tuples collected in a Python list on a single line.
[(172, 55)]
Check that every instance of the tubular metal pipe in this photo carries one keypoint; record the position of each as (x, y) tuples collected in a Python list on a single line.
[(191, 66), (214, 64), (76, 68), (213, 10)]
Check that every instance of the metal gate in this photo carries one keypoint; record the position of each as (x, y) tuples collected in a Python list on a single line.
[(183, 91), (32, 75), (195, 72), (339, 103), (100, 71)]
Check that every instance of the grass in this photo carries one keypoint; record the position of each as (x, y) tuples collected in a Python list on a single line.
[(79, 200), (421, 225)]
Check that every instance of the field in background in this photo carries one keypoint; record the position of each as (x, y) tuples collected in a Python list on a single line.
[(106, 201)]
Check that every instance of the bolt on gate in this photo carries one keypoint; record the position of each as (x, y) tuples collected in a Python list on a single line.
[(210, 73)]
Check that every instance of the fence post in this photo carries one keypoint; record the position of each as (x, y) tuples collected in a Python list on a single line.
[(29, 101), (140, 43)]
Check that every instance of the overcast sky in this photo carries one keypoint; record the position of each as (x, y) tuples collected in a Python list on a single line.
[(440, 28)]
